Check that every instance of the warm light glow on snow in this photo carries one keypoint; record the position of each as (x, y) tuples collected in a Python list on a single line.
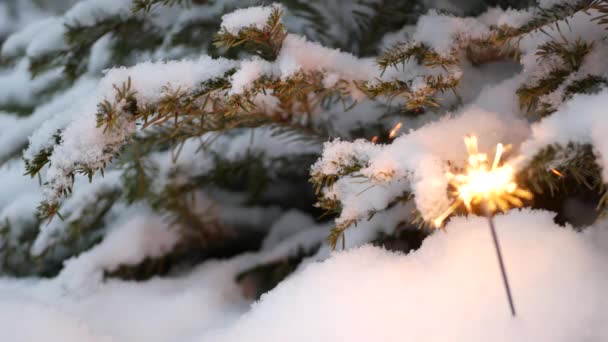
[(494, 185)]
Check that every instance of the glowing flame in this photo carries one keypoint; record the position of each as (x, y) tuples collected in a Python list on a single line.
[(492, 184), (557, 173), (374, 139), (394, 131)]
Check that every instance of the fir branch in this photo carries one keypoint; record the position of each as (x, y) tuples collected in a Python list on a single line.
[(546, 17), (589, 84), (147, 5), (575, 162), (400, 54), (33, 167), (109, 113), (570, 56), (128, 34), (380, 18), (416, 100), (602, 7)]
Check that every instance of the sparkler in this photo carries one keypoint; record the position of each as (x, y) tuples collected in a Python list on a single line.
[(491, 186)]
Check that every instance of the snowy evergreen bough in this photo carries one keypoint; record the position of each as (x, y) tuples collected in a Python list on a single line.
[(230, 150)]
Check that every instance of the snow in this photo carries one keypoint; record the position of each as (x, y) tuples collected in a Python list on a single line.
[(256, 17), (442, 31), (49, 322), (17, 43), (362, 294), (149, 78), (510, 17), (88, 12), (452, 281), (88, 194), (43, 123), (581, 120), (140, 236), (250, 71), (86, 145), (101, 56), (19, 89), (289, 224), (415, 162), (15, 15), (48, 40), (298, 54)]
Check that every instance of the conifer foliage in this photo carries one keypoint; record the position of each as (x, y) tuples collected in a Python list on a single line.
[(230, 126)]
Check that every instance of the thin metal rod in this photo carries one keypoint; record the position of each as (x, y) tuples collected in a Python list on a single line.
[(505, 280)]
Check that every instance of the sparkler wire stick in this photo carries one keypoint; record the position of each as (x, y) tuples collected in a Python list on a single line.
[(503, 270), (490, 186)]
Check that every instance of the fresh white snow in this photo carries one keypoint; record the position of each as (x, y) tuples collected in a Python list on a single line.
[(448, 290)]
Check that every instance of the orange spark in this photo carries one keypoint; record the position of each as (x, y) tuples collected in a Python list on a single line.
[(559, 174), (492, 184), (395, 130)]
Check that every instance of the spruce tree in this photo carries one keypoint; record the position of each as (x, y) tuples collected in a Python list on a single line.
[(221, 118)]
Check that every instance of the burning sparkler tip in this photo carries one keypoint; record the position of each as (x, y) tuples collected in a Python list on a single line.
[(557, 173)]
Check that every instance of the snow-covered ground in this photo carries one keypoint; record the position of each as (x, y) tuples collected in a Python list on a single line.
[(448, 290)]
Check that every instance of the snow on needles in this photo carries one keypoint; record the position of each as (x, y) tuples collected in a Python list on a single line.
[(413, 162), (298, 54), (84, 145), (581, 120), (248, 17)]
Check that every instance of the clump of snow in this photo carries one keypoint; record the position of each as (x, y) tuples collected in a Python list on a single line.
[(298, 54), (248, 17), (129, 243), (580, 120), (89, 11), (509, 17), (453, 281), (43, 123), (149, 78), (248, 72), (101, 56), (440, 31), (47, 119), (17, 43), (339, 155), (287, 225), (18, 88), (49, 39)]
